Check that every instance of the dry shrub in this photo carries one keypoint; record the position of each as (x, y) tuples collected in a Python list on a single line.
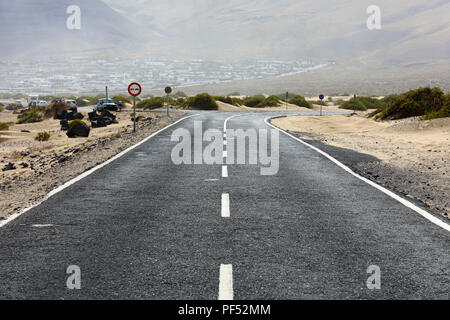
[(54, 108)]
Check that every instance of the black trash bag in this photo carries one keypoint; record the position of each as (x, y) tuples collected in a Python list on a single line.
[(106, 113), (78, 116), (64, 125), (93, 116), (61, 115)]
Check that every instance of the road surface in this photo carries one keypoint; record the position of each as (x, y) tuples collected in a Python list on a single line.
[(142, 227)]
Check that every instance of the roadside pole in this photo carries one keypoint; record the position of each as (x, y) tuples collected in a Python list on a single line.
[(167, 106), (168, 91), (134, 90), (134, 114), (321, 97)]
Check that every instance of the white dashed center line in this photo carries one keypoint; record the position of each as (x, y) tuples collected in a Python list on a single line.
[(226, 282), (224, 172), (225, 205)]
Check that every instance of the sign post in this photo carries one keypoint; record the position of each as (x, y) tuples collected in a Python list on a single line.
[(321, 97), (168, 91), (134, 90)]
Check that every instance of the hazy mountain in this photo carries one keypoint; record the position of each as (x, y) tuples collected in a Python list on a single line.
[(412, 31), (38, 27)]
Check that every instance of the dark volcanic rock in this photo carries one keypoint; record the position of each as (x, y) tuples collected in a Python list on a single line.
[(24, 165), (9, 166), (78, 130)]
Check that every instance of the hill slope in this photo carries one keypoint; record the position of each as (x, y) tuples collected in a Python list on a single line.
[(38, 27), (412, 30)]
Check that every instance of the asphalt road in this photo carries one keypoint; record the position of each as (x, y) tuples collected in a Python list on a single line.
[(142, 227)]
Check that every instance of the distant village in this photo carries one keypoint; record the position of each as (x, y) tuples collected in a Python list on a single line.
[(87, 75)]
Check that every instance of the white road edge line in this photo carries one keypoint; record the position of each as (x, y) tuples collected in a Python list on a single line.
[(405, 202), (225, 205), (226, 282), (224, 172), (89, 172), (226, 122)]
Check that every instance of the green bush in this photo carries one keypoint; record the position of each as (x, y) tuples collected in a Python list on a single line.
[(414, 103), (42, 136), (282, 96), (4, 126), (389, 98), (31, 116), (234, 94), (253, 102), (261, 102), (1, 108), (261, 96), (371, 103), (76, 121), (150, 104), (201, 101), (228, 100), (177, 102), (353, 105), (271, 101), (52, 110), (444, 112), (300, 101)]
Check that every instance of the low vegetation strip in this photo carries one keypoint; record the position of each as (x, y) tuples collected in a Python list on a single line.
[(428, 103)]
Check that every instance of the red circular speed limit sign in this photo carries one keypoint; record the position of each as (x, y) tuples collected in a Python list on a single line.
[(134, 89)]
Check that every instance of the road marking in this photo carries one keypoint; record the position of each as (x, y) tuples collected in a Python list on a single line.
[(224, 142), (42, 225), (225, 154), (224, 172), (211, 180), (225, 205), (89, 172), (228, 119), (405, 202), (226, 282)]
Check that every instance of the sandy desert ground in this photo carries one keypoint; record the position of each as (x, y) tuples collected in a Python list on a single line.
[(414, 155)]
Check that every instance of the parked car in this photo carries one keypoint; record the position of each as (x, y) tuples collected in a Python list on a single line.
[(107, 104), (19, 104), (71, 103), (42, 103)]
